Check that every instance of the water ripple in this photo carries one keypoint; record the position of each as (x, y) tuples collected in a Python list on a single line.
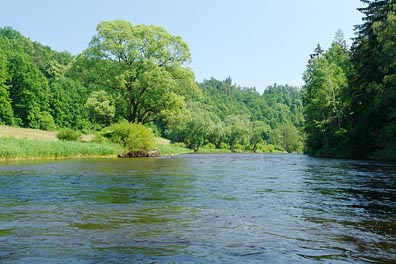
[(198, 209)]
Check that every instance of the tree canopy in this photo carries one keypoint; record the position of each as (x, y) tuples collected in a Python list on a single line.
[(139, 73), (350, 93), (142, 66)]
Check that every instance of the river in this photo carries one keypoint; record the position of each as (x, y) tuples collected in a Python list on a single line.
[(219, 208)]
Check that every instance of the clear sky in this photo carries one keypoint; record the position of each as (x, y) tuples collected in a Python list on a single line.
[(255, 42)]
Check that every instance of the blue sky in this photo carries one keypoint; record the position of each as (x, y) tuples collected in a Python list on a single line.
[(255, 42)]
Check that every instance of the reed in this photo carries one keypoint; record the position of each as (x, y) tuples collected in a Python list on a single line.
[(13, 148)]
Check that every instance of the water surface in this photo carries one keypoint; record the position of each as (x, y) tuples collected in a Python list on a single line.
[(198, 209)]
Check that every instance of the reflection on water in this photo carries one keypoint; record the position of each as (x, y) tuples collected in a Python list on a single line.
[(198, 209)]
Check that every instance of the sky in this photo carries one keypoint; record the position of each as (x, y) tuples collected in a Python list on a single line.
[(255, 42)]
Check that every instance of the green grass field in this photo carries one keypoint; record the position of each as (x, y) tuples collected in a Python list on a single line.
[(23, 143), (28, 133), (16, 148)]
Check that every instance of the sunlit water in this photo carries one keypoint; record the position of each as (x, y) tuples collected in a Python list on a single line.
[(198, 209)]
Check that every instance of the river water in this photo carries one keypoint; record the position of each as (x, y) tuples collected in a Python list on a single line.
[(235, 208)]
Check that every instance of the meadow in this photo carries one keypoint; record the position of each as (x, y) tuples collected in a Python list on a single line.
[(24, 143)]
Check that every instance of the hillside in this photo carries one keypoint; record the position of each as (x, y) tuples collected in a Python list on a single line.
[(41, 88)]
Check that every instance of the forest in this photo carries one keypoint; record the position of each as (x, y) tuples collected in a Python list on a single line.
[(350, 93), (119, 78), (139, 74)]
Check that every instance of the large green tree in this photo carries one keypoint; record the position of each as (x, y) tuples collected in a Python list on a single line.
[(26, 84), (194, 127), (28, 91), (373, 94), (142, 66), (237, 130), (326, 83), (259, 135), (6, 111), (67, 103)]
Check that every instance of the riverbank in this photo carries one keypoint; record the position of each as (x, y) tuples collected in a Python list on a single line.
[(27, 144), (19, 149)]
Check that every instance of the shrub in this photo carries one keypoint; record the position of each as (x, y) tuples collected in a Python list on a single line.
[(118, 133), (99, 139), (133, 137), (210, 146), (265, 148), (179, 144), (68, 134), (140, 138), (224, 146), (238, 148), (46, 121)]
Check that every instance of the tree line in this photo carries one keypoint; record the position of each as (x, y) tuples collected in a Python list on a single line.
[(139, 73), (350, 93)]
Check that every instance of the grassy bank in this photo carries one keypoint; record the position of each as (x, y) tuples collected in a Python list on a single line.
[(166, 148), (15, 148), (22, 143), (29, 133)]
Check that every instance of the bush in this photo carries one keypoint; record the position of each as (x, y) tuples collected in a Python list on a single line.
[(238, 148), (224, 146), (118, 133), (179, 144), (46, 121), (68, 134), (265, 148), (140, 138), (210, 146), (99, 139), (133, 137)]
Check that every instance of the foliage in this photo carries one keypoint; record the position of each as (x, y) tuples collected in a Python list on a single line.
[(283, 104), (101, 109), (142, 66), (68, 134), (138, 73), (34, 90), (46, 121), (133, 137), (278, 104), (237, 130), (98, 138), (373, 95), (347, 107), (350, 95), (193, 128), (325, 89), (140, 138), (290, 139), (28, 91), (67, 103), (6, 111), (259, 135)]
